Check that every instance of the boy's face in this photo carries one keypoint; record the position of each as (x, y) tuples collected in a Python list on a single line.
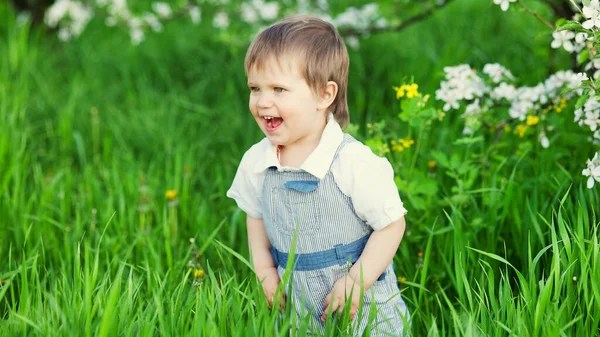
[(284, 106)]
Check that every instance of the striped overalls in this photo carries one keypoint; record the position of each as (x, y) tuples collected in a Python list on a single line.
[(330, 236)]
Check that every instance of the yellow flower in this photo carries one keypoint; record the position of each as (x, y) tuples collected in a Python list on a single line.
[(412, 90), (397, 147), (431, 164), (199, 273), (441, 115), (506, 128), (563, 103), (401, 279), (399, 92), (406, 142), (521, 130), (558, 109), (171, 194), (532, 120)]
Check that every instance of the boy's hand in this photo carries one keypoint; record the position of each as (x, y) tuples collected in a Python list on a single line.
[(344, 292), (270, 282)]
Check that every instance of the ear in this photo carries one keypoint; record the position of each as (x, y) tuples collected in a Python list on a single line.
[(328, 95)]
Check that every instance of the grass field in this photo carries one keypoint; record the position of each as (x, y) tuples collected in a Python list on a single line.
[(96, 132)]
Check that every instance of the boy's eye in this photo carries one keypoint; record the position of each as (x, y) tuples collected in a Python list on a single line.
[(278, 89), (254, 89)]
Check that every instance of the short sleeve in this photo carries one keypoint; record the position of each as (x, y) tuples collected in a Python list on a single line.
[(244, 189), (369, 181)]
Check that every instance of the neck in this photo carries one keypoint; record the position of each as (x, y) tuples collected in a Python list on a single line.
[(294, 155)]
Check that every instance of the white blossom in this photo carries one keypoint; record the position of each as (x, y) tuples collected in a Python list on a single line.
[(137, 35), (592, 119), (73, 17), (472, 109), (519, 109), (592, 171), (504, 90), (221, 20), (563, 39), (361, 19), (504, 4), (269, 10), (162, 9), (353, 42), (248, 12), (496, 72), (152, 21), (544, 141), (194, 13), (592, 14)]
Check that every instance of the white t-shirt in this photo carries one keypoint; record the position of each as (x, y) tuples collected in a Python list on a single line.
[(361, 175)]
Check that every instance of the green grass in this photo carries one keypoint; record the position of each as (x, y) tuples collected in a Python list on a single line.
[(94, 132)]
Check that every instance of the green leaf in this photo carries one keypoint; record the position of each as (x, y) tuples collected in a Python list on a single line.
[(581, 101), (468, 140), (428, 187), (417, 202), (570, 25)]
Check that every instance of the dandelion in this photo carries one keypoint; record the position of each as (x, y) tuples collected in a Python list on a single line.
[(399, 92), (431, 164), (171, 194), (198, 273), (397, 147), (520, 130), (574, 279), (406, 142), (441, 115), (2, 282), (192, 240), (408, 90), (532, 120), (412, 90)]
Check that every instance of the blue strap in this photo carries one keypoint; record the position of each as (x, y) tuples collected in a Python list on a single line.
[(339, 255)]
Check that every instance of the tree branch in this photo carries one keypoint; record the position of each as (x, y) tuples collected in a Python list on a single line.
[(536, 14), (408, 22)]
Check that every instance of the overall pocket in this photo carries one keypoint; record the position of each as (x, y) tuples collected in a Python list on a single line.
[(296, 211)]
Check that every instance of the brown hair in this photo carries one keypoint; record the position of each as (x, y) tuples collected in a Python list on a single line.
[(318, 44)]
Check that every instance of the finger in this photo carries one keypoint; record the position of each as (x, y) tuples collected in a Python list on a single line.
[(353, 313), (330, 308), (282, 304), (340, 308), (327, 301)]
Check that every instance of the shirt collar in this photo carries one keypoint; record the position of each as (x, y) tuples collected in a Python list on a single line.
[(319, 161)]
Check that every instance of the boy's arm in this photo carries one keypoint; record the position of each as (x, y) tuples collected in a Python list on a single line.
[(264, 267), (259, 245), (378, 253), (376, 256)]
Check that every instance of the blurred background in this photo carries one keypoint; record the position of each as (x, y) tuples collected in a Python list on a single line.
[(119, 139)]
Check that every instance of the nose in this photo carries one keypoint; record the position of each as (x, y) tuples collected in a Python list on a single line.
[(264, 101)]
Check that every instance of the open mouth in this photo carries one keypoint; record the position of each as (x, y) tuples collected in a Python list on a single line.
[(272, 123)]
